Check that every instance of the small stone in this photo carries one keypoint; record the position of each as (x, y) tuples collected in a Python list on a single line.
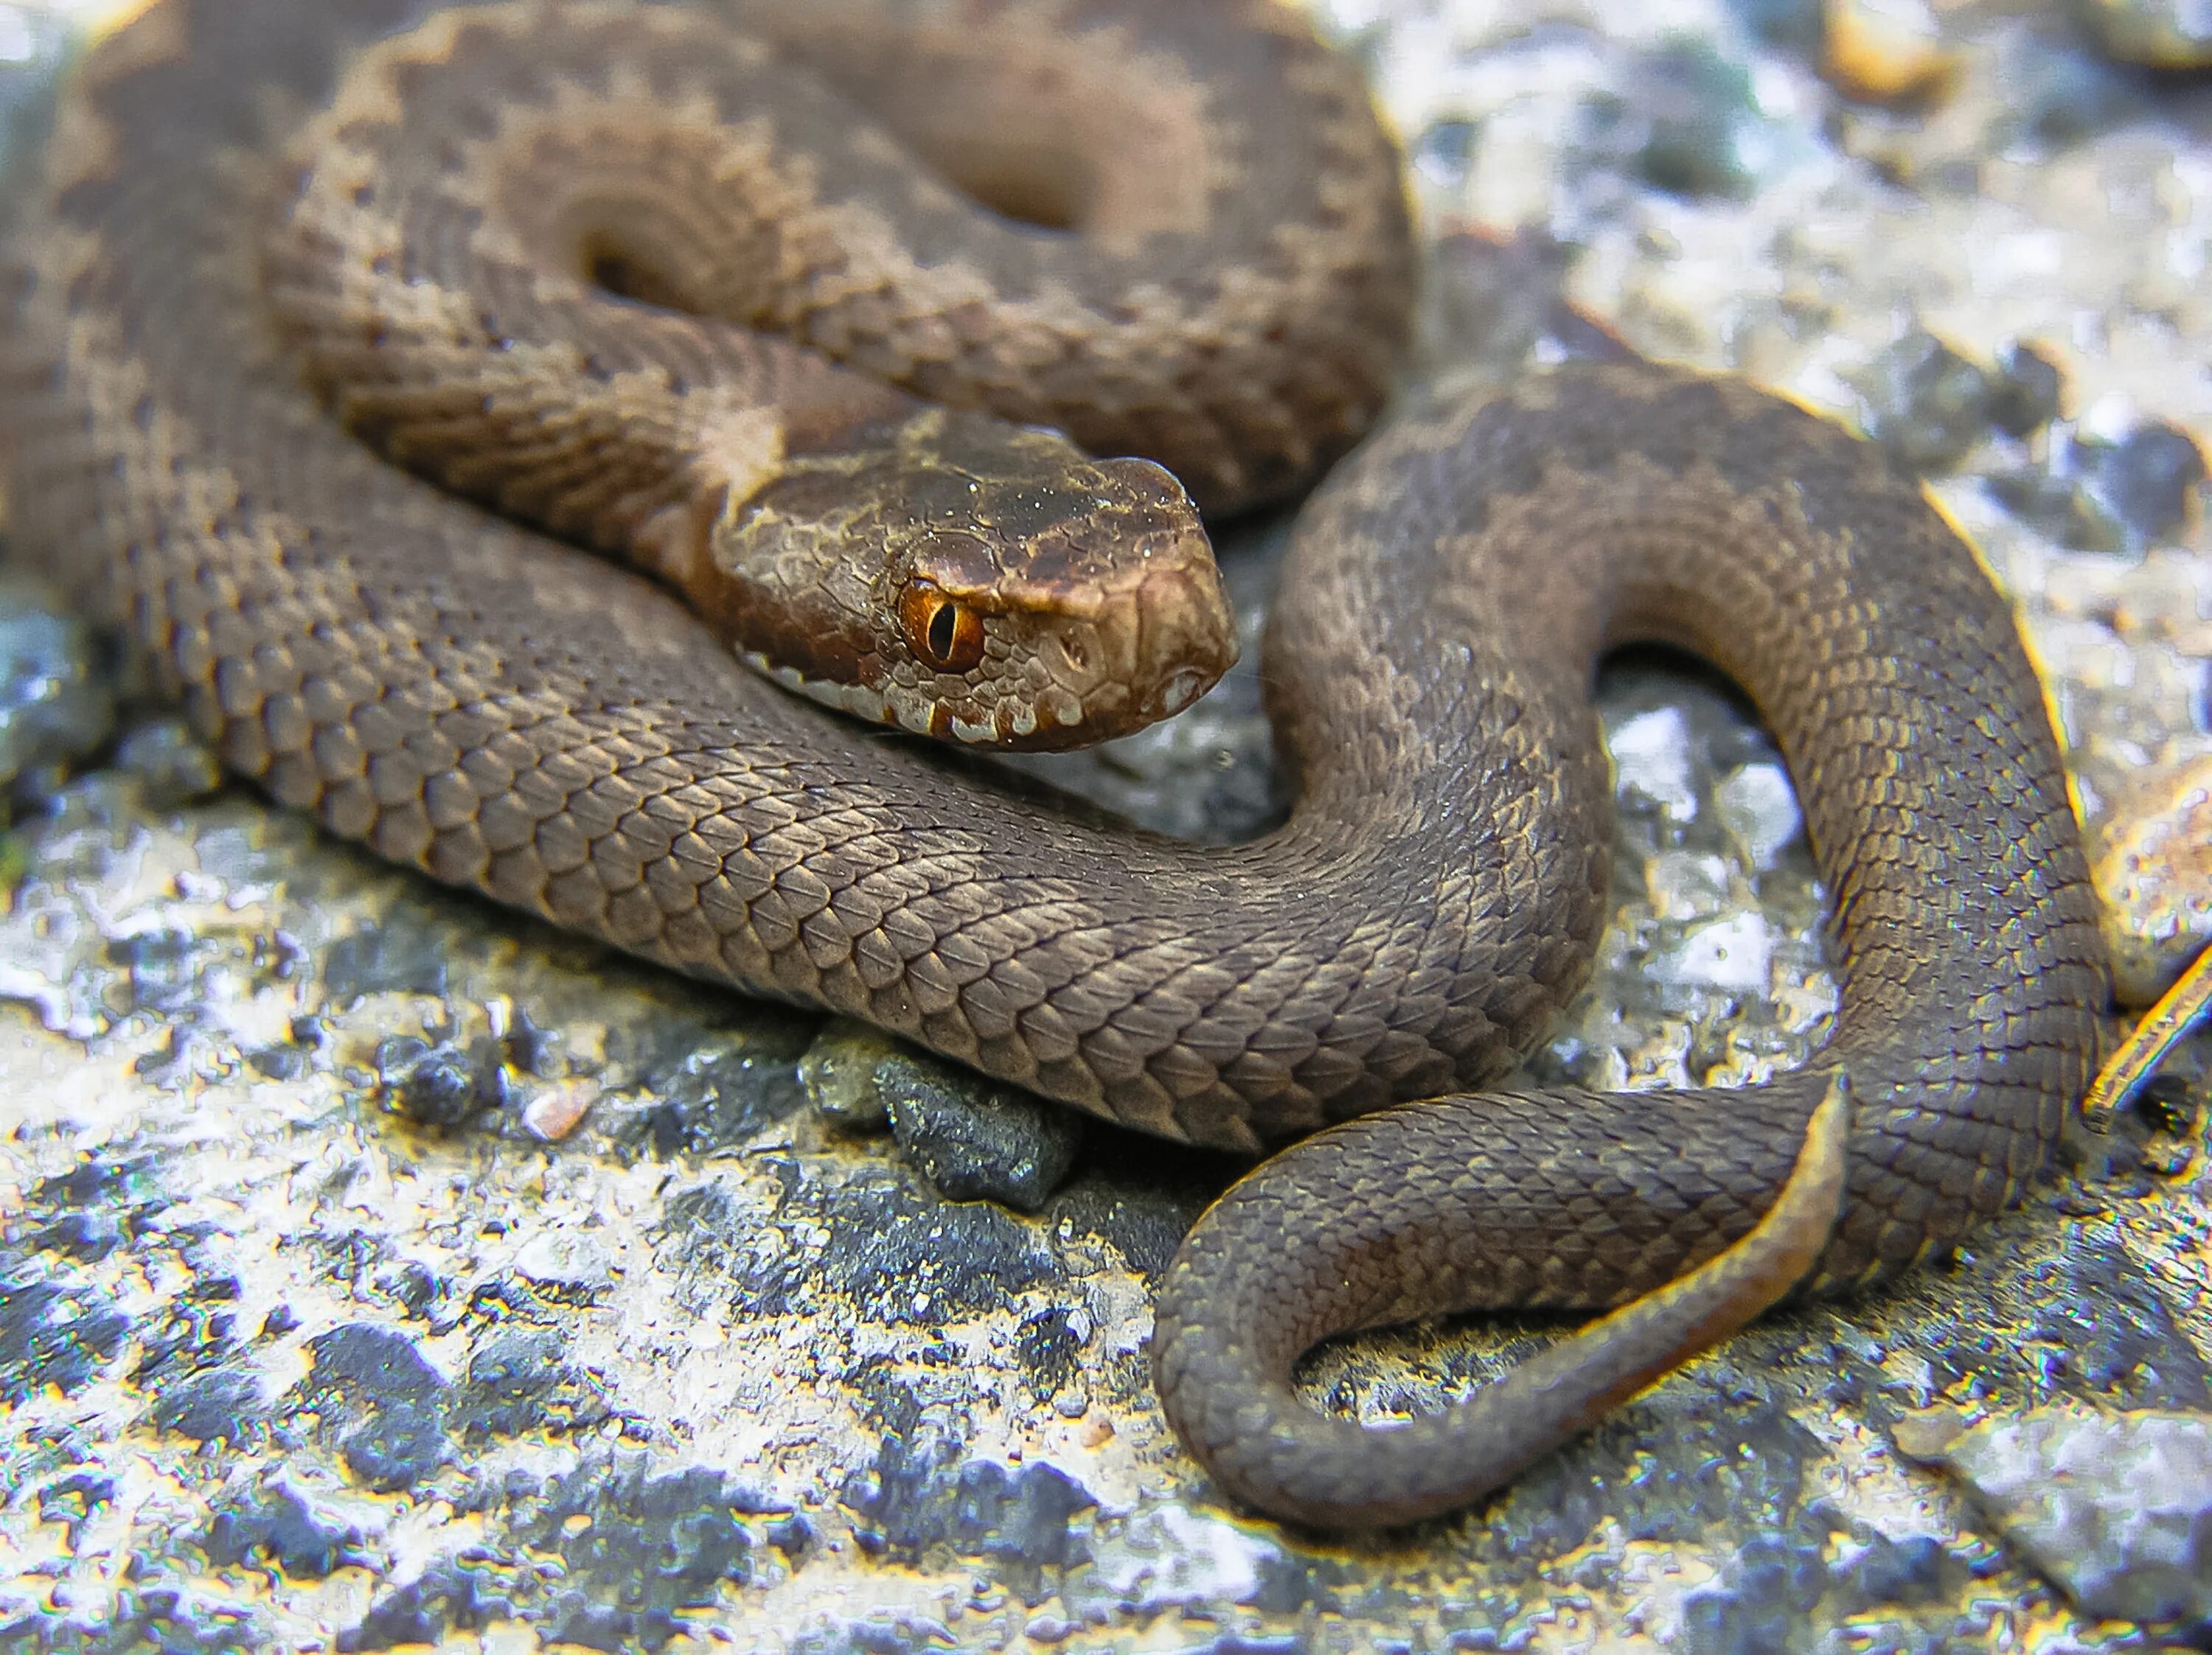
[(442, 1085), (2030, 391), (1759, 807), (557, 1111), (1733, 955), (2149, 480), (839, 1075), (276, 1519), (1927, 404), (1653, 758), (1684, 885), (55, 707), (220, 1404), (2155, 873), (2052, 504), (1688, 123), (522, 1380), (396, 1448), (2114, 1509), (1793, 24), (367, 1366), (2056, 96), (1885, 51), (2162, 34), (974, 1141), (172, 765), (566, 1263), (1446, 150)]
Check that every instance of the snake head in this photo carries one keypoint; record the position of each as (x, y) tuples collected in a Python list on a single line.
[(980, 583)]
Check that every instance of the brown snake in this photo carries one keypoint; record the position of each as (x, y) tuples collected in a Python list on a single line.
[(1225, 293)]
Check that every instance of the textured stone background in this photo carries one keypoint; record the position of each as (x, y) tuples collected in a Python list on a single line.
[(377, 1268)]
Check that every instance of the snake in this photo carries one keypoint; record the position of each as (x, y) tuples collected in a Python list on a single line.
[(900, 351)]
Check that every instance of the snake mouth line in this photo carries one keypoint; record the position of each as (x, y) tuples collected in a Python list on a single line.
[(915, 714)]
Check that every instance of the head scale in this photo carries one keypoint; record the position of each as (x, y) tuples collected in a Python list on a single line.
[(979, 582)]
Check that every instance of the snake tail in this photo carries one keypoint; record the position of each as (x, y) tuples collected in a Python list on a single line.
[(1223, 1359)]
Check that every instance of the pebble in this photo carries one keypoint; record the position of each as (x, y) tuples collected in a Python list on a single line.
[(54, 708), (2150, 481), (1926, 404), (974, 1141), (2114, 1508), (1688, 123), (2030, 391), (2155, 873), (1759, 806), (838, 1072), (2159, 34), (1885, 51), (173, 766)]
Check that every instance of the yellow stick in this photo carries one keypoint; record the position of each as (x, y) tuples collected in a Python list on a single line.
[(2138, 1058)]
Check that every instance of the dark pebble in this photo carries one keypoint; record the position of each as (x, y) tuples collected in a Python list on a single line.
[(86, 1236), (396, 1447), (52, 1337), (1446, 150), (522, 1380), (400, 955), (919, 1498), (274, 1521), (838, 1072), (1926, 404), (1685, 124), (2148, 480), (1907, 1573), (55, 705), (1794, 24), (974, 1141), (219, 1405), (2029, 393), (2056, 97), (449, 1596), (362, 1366), (441, 1087), (2053, 505), (722, 1088)]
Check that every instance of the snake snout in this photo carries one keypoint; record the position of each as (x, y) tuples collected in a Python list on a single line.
[(1186, 638)]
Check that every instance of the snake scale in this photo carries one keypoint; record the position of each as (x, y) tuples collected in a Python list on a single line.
[(472, 243)]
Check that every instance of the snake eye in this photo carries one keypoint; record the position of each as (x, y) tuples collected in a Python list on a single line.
[(941, 630)]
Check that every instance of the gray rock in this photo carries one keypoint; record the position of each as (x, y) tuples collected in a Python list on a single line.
[(2030, 391), (55, 708), (1927, 404), (173, 766), (2149, 480), (2116, 1509), (1687, 122)]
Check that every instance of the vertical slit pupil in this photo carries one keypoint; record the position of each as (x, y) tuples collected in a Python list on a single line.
[(942, 627)]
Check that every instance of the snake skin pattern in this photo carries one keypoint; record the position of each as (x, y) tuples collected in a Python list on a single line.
[(471, 697)]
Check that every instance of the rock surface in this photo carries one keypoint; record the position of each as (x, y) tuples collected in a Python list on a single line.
[(2117, 1508), (379, 1268)]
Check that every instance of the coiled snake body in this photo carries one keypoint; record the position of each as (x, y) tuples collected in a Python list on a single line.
[(1223, 291)]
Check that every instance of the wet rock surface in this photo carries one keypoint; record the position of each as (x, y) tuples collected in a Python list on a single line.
[(378, 1269)]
